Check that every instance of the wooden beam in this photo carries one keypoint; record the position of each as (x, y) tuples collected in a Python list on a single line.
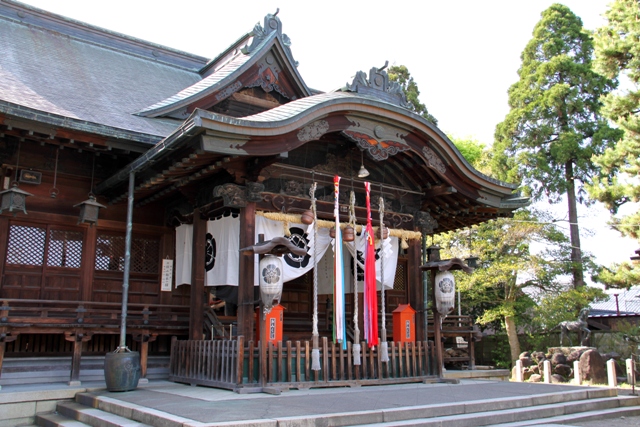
[(440, 190), (89, 263), (254, 101), (196, 318), (416, 291), (246, 273), (4, 239)]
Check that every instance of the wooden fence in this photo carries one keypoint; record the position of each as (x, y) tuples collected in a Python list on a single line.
[(234, 364)]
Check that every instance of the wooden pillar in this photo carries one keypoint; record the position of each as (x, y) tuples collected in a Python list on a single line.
[(4, 339), (144, 339), (416, 288), (246, 273), (89, 264), (77, 338), (196, 316), (4, 241)]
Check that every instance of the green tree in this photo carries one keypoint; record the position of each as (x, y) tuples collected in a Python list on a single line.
[(495, 291), (474, 152), (618, 54), (554, 128), (400, 74)]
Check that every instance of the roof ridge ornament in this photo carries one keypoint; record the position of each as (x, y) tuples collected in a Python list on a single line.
[(259, 33), (378, 85)]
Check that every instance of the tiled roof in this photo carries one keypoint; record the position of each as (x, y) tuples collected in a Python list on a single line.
[(79, 79), (208, 84), (628, 304)]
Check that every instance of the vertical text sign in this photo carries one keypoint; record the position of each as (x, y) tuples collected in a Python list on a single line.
[(167, 275)]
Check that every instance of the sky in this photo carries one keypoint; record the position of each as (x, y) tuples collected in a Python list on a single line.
[(463, 54)]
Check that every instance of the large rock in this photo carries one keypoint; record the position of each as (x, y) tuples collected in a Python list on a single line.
[(592, 367), (538, 356), (557, 379), (564, 370), (526, 361), (535, 378), (558, 359), (575, 355)]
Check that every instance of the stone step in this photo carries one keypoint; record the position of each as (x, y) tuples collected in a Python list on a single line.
[(94, 417), (131, 411), (57, 420), (601, 414), (526, 409), (524, 416)]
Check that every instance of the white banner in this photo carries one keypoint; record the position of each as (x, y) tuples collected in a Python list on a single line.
[(222, 252), (302, 236), (390, 250), (184, 246)]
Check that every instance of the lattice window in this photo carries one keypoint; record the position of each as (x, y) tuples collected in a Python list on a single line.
[(110, 252), (145, 253), (65, 249), (26, 245), (399, 280)]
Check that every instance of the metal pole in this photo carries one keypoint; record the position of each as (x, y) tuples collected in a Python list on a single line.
[(127, 264)]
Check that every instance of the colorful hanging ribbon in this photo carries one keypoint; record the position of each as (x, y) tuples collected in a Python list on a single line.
[(339, 323), (370, 295)]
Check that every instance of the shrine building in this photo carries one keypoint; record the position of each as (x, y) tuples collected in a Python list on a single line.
[(136, 172)]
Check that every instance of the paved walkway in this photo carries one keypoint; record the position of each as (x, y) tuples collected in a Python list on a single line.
[(211, 405), (205, 404)]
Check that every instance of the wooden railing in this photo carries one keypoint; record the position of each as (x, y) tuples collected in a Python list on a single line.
[(79, 321), (34, 316), (453, 328), (234, 364)]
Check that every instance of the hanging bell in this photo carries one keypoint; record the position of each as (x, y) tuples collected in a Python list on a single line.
[(306, 217), (348, 234)]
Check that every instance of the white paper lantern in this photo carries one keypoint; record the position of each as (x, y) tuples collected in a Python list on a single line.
[(270, 281), (445, 292)]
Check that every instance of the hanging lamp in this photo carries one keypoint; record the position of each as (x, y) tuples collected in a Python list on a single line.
[(363, 172), (90, 209), (13, 199)]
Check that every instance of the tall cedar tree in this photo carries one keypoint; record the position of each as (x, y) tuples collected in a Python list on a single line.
[(554, 128), (618, 52), (400, 74)]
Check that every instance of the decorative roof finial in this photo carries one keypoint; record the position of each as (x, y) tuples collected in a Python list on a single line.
[(379, 86)]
